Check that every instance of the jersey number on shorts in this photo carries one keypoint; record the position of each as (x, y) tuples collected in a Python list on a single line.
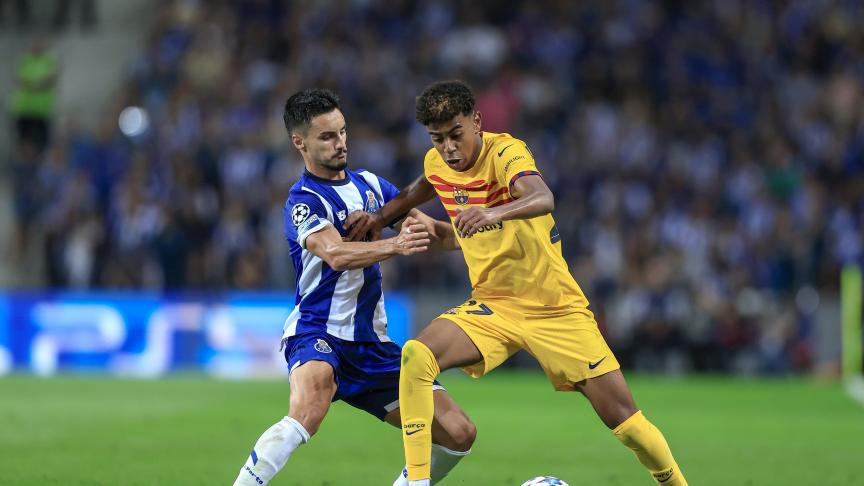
[(483, 311)]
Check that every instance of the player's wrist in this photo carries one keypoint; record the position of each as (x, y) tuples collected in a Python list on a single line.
[(497, 213), (388, 219), (391, 245)]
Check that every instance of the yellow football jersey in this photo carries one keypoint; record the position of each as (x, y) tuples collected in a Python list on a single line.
[(518, 260)]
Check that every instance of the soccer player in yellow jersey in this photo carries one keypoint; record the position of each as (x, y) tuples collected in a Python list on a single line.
[(523, 294)]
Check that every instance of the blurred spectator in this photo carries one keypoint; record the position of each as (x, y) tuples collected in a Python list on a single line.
[(32, 103), (707, 157), (26, 196), (22, 12), (86, 10)]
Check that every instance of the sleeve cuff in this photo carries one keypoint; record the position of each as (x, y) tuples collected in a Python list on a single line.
[(309, 227), (522, 174)]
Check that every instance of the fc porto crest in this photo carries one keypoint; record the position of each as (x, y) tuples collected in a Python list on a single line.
[(460, 195), (371, 205), (322, 347)]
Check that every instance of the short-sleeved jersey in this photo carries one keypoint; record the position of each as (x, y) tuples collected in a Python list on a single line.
[(519, 260), (346, 304)]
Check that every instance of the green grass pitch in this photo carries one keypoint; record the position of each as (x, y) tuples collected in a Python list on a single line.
[(194, 430)]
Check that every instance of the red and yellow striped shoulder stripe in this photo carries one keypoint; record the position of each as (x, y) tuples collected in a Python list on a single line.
[(479, 192)]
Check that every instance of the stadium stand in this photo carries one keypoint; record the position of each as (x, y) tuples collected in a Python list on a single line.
[(708, 157)]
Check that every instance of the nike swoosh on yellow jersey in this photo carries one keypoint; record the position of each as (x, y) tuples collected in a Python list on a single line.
[(502, 150)]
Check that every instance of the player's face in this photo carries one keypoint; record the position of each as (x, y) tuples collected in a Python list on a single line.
[(326, 141), (458, 140)]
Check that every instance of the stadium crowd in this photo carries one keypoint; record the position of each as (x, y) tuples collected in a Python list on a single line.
[(707, 157)]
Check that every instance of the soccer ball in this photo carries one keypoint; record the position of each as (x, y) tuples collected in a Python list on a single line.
[(544, 481)]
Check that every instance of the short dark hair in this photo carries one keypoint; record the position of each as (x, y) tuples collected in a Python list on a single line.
[(305, 105), (442, 101)]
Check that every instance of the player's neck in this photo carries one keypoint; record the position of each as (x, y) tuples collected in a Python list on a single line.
[(325, 173), (478, 148)]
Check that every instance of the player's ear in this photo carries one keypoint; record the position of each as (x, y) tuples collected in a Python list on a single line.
[(298, 143), (476, 119)]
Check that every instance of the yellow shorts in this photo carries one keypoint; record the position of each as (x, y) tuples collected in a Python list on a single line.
[(569, 347)]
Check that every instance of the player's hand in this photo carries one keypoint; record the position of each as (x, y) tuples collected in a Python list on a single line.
[(413, 238), (363, 226), (470, 220)]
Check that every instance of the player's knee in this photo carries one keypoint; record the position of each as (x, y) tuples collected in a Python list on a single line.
[(615, 414), (465, 434), (310, 412), (309, 417), (460, 433), (417, 360)]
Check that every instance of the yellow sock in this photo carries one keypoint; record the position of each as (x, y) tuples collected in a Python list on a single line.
[(651, 449), (419, 369)]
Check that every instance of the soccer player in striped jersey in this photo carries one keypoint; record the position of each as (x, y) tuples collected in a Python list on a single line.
[(335, 340), (523, 296)]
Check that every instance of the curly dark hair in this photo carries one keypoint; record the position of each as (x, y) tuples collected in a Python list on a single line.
[(442, 101), (305, 105)]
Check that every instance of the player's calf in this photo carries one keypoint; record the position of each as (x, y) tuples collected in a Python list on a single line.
[(312, 388), (611, 398), (650, 447)]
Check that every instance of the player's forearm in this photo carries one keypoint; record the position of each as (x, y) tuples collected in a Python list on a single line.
[(347, 255), (415, 194), (529, 206)]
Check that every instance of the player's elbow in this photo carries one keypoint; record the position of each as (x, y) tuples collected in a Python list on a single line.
[(546, 203), (335, 259), (339, 263), (338, 267)]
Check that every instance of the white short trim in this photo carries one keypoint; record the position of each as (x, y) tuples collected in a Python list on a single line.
[(395, 403)]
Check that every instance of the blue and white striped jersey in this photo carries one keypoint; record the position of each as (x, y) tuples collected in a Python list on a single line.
[(349, 304)]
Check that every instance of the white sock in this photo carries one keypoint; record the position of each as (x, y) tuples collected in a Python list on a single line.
[(443, 461), (271, 452)]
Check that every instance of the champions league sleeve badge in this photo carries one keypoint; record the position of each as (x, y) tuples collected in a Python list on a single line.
[(299, 213)]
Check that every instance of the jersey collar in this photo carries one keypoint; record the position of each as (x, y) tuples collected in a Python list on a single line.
[(337, 182)]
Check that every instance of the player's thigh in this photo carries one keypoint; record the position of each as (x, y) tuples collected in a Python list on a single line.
[(610, 396), (477, 335), (313, 385), (449, 343)]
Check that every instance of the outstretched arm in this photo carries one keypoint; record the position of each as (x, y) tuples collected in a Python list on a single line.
[(341, 255), (533, 198), (362, 223)]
